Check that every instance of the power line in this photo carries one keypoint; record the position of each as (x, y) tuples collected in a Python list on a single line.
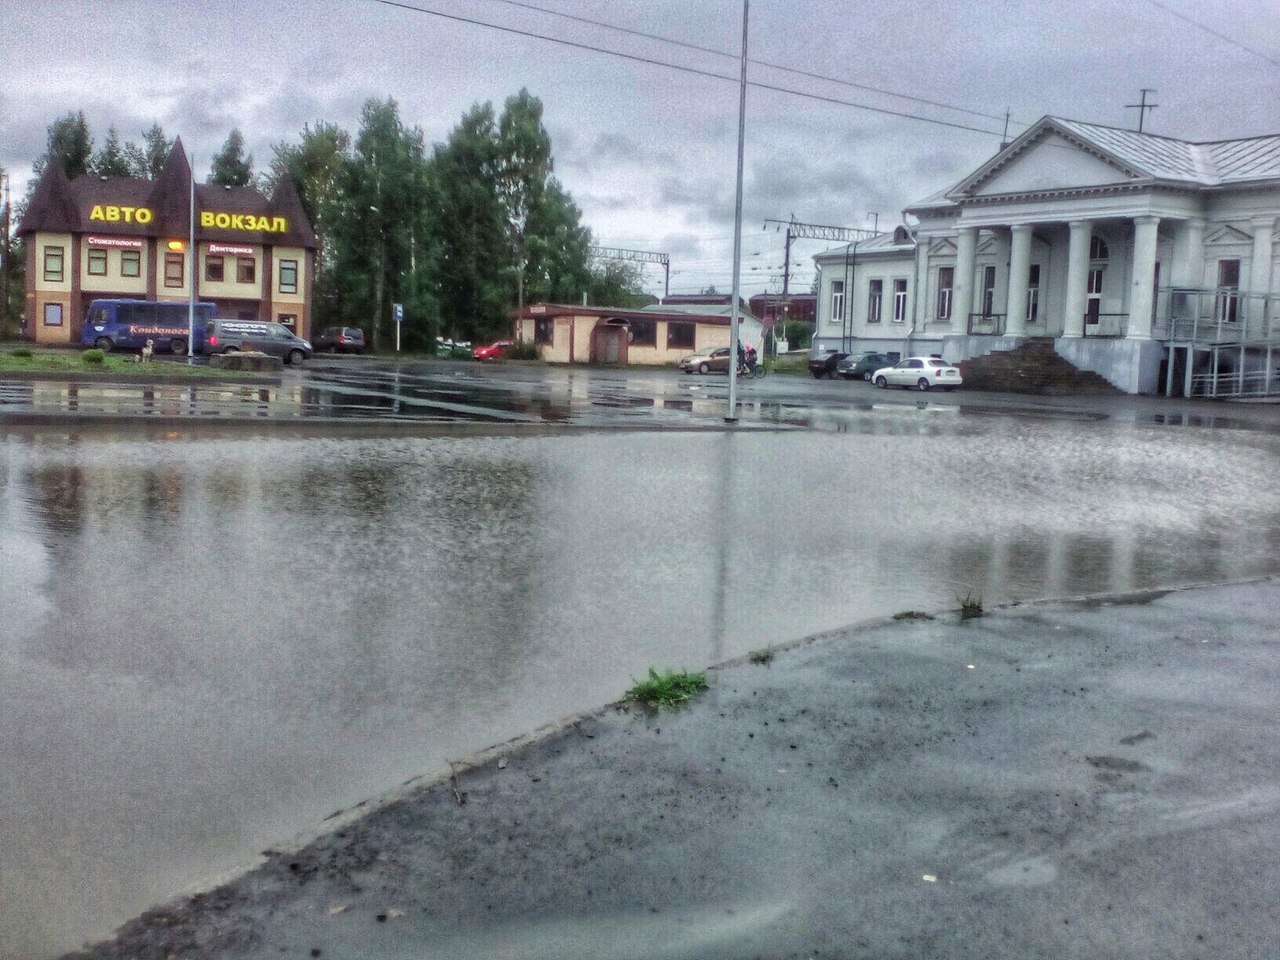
[(1221, 36), (761, 63), (399, 4)]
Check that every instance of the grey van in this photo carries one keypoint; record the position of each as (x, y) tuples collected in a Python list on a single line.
[(229, 336)]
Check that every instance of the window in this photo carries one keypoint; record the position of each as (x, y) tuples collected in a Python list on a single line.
[(681, 335), (53, 258), (644, 333), (988, 291), (1093, 301), (1098, 249), (246, 270), (1228, 290), (899, 301), (837, 300), (173, 269), (946, 283), (288, 276), (875, 293), (214, 269), (544, 331), (1033, 294), (53, 314), (97, 262), (130, 263), (288, 319)]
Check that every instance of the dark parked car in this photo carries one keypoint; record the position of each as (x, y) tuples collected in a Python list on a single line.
[(860, 366), (339, 340), (825, 365)]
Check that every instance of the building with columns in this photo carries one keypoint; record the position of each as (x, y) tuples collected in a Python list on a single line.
[(1148, 260)]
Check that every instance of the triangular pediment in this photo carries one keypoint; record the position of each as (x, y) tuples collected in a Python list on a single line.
[(942, 247), (987, 244), (1228, 234), (1052, 162)]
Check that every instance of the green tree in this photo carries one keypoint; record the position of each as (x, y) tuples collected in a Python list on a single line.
[(231, 168), (318, 164), (469, 229), (617, 283), (382, 253), (146, 161), (69, 144), (12, 263), (523, 169), (111, 161)]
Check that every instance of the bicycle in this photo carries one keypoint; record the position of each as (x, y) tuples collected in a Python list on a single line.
[(753, 370)]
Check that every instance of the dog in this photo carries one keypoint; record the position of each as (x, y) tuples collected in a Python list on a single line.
[(148, 350)]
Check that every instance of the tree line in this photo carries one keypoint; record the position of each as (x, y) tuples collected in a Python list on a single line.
[(458, 232)]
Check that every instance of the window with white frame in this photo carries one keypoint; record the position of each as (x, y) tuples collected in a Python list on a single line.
[(946, 283), (837, 301), (988, 291), (875, 293), (899, 301)]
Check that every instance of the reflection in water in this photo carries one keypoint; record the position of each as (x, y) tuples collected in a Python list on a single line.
[(208, 645)]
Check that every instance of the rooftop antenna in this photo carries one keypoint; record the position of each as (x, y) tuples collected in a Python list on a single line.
[(1142, 107)]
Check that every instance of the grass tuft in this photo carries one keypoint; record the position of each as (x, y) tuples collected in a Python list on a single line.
[(669, 689), (94, 356), (762, 657), (21, 353), (913, 615), (970, 606)]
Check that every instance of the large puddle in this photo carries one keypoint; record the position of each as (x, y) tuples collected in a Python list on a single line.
[(208, 645)]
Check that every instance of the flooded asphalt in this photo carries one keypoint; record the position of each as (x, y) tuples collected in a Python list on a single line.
[(213, 639)]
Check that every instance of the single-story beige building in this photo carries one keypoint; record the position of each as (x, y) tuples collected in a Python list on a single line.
[(654, 336)]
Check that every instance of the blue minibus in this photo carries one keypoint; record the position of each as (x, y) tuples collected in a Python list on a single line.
[(131, 323)]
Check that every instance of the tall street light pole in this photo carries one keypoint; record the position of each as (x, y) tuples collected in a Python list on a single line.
[(731, 416)]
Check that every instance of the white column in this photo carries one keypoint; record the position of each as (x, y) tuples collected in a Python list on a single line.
[(1019, 275), (1188, 260), (962, 291), (1077, 278), (1260, 270), (1142, 297)]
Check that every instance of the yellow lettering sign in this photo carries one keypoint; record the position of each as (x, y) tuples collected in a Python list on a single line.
[(243, 221), (114, 214)]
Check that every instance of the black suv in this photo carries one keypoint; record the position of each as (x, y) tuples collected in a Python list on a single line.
[(339, 340)]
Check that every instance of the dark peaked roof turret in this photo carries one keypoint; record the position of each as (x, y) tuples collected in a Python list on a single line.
[(171, 192), (52, 206), (287, 202)]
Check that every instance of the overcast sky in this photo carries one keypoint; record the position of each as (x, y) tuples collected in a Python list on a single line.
[(649, 152)]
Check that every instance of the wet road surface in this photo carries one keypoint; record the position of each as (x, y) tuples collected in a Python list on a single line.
[(212, 641)]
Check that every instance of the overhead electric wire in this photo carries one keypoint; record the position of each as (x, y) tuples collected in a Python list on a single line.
[(1208, 29), (401, 5), (762, 63)]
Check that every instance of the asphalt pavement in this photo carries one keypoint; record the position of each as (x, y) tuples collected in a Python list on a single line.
[(1077, 779)]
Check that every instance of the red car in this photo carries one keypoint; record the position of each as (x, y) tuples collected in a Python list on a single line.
[(494, 351)]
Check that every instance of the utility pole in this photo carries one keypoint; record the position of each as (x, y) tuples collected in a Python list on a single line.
[(636, 256), (815, 231), (1142, 107)]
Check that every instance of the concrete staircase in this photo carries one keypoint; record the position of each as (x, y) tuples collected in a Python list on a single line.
[(1032, 367)]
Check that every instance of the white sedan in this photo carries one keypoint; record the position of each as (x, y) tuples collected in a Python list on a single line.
[(925, 373)]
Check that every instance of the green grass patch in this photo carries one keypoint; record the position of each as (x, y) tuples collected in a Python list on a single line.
[(670, 689), (912, 615), (790, 364), (23, 360)]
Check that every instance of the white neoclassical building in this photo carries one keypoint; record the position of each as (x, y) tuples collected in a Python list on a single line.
[(1148, 260)]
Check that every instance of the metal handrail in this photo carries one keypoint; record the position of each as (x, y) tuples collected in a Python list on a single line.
[(1118, 329), (995, 320)]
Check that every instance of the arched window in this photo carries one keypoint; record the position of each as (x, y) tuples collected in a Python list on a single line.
[(1098, 249)]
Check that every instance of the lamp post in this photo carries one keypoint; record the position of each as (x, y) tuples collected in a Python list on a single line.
[(731, 416)]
